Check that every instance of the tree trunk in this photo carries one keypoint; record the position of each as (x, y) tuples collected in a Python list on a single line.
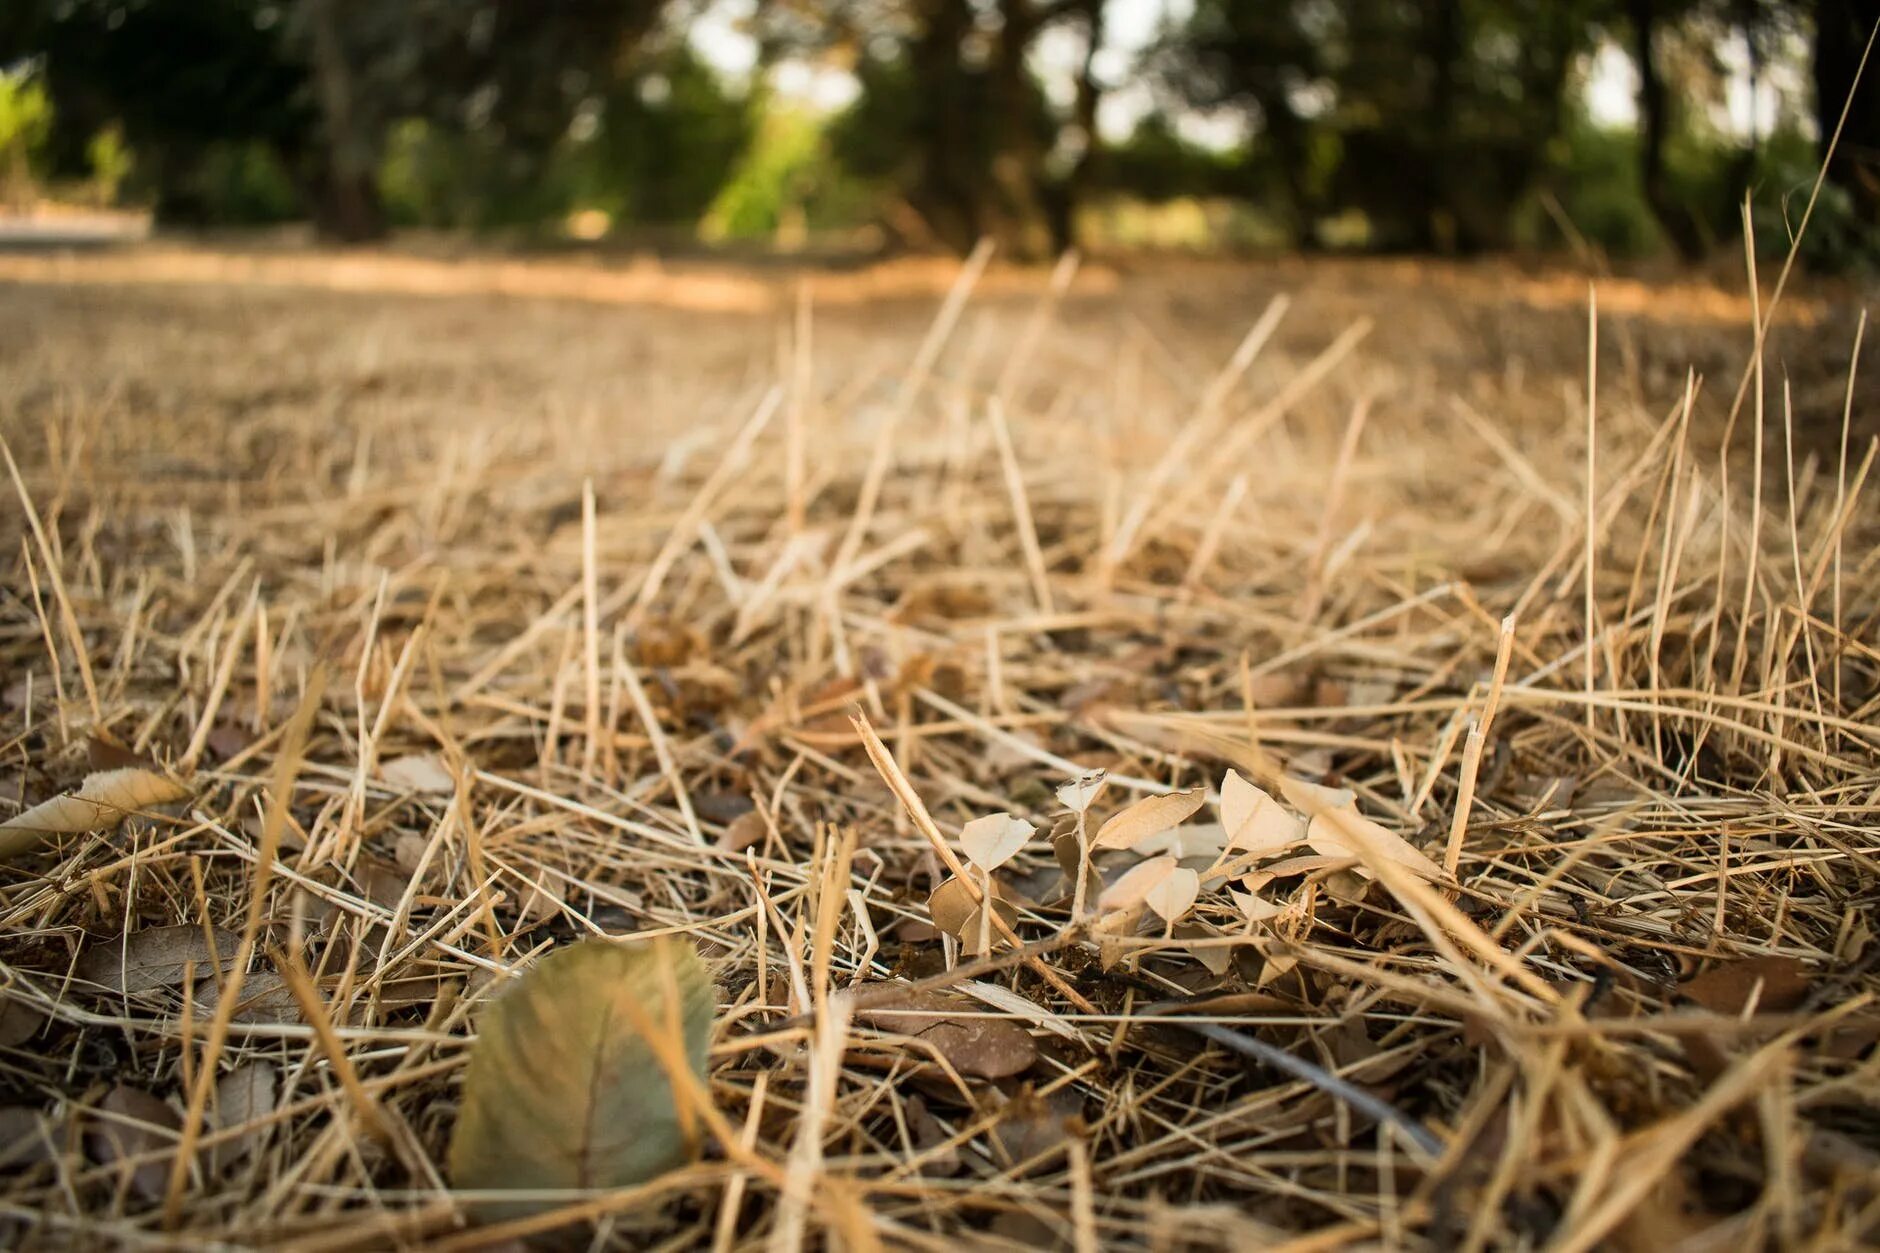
[(343, 188), (1842, 29), (1654, 108)]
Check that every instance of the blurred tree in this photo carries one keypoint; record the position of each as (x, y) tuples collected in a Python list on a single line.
[(1432, 117), (1843, 31), (319, 84), (951, 119)]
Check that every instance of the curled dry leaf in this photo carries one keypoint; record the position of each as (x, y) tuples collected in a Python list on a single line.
[(424, 773), (265, 998), (101, 802), (563, 1090), (1148, 816), (1078, 794), (990, 1048), (992, 841), (144, 961), (1337, 829), (1254, 821), (1132, 890), (1174, 894), (131, 1124)]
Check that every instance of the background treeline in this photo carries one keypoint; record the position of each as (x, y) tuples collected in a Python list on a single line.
[(1440, 125)]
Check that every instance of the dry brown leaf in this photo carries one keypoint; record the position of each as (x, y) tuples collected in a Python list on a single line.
[(27, 1137), (131, 1123), (563, 1091), (1253, 820), (101, 802), (1174, 894), (144, 961), (1776, 985), (992, 841), (1031, 1125), (990, 1048), (265, 998), (747, 830), (1337, 829), (19, 1022), (246, 1097), (1133, 888), (1216, 958), (1148, 816), (1078, 794), (424, 773), (955, 912)]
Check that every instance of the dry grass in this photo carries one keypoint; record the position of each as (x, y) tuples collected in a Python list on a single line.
[(1021, 543)]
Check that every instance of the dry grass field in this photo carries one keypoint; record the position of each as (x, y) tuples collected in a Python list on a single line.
[(459, 608)]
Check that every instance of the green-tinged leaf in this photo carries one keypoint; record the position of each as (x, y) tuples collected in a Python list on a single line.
[(563, 1091), (101, 802)]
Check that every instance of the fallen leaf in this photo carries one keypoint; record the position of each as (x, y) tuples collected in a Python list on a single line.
[(131, 1123), (1030, 1125), (265, 998), (562, 1090), (19, 1022), (1174, 894), (26, 1137), (248, 1094), (989, 1048), (1776, 985), (1148, 816), (992, 841), (101, 802), (955, 911), (1254, 821), (1077, 795), (1133, 888), (1200, 839), (144, 961), (1337, 829), (1255, 908), (1216, 958), (424, 773), (747, 830), (104, 754)]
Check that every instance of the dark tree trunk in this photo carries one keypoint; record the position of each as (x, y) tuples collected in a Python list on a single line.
[(1654, 108), (1068, 195), (343, 188), (1842, 29)]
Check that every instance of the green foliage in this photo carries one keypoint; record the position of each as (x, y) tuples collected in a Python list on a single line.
[(788, 180), (110, 163), (25, 124), (667, 139)]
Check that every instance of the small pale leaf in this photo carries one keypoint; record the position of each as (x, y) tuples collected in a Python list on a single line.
[(1337, 829), (425, 773), (992, 841), (1078, 794), (1133, 889), (101, 802), (1149, 816), (1255, 822), (1175, 894), (563, 1091)]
